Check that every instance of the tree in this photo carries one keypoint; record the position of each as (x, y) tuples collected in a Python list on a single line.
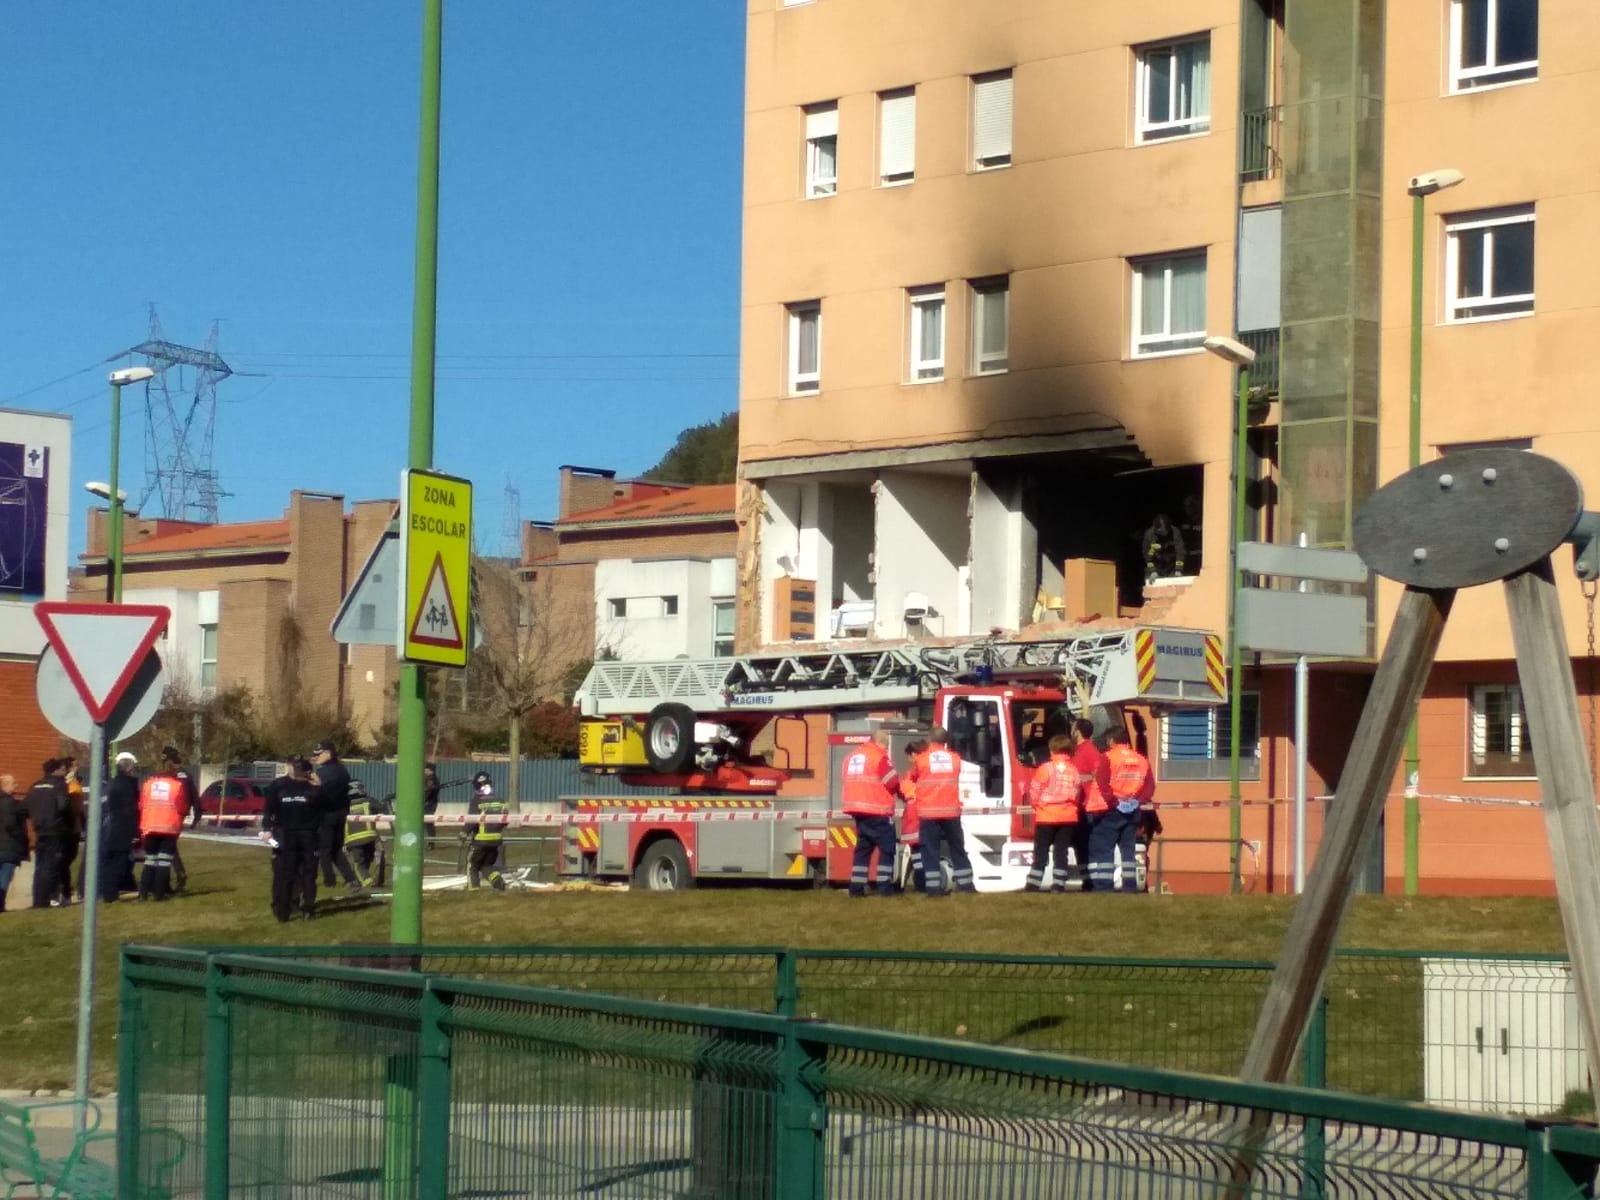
[(706, 453), (533, 634)]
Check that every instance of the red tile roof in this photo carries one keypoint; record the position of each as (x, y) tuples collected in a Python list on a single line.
[(705, 500), (243, 536)]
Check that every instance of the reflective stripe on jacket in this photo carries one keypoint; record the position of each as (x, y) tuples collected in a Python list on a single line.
[(869, 782), (161, 806), (1055, 792), (937, 774), (357, 832), (491, 826)]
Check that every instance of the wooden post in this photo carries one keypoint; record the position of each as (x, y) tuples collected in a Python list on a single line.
[(1368, 775), (1565, 781)]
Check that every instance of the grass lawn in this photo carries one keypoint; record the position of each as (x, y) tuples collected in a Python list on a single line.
[(227, 905)]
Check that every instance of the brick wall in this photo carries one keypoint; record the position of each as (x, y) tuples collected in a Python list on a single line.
[(317, 568), (371, 671), (585, 490), (249, 634), (714, 539), (26, 738)]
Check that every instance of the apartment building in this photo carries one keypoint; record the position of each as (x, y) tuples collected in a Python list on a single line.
[(252, 602), (983, 245), (640, 570)]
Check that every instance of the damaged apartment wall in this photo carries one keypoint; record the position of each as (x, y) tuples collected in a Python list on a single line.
[(1005, 554), (922, 549)]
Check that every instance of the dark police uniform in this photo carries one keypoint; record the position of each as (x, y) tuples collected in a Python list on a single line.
[(292, 817)]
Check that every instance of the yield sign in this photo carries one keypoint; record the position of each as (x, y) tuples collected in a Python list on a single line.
[(101, 646), (435, 623)]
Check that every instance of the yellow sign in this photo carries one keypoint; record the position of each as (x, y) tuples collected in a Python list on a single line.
[(436, 585)]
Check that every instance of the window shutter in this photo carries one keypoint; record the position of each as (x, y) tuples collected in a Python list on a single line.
[(897, 155), (1186, 733), (822, 120), (991, 118)]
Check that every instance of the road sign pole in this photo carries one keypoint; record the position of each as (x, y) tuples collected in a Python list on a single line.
[(91, 912), (405, 922)]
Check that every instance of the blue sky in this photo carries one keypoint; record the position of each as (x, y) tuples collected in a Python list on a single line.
[(255, 164)]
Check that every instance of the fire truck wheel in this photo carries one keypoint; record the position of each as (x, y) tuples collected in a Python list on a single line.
[(669, 738), (663, 867)]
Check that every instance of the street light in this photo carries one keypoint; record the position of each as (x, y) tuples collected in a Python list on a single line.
[(1420, 187), (102, 491), (114, 553), (1241, 356)]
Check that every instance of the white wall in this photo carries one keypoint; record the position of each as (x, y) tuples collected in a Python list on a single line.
[(179, 646), (794, 540), (647, 633), (922, 546), (1005, 546), (24, 521)]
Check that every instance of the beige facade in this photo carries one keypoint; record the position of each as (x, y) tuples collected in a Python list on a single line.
[(253, 602), (972, 486)]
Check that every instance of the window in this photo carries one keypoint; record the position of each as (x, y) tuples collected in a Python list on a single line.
[(805, 347), (208, 656), (927, 334), (1169, 303), (1493, 42), (991, 120), (1195, 741), (1174, 90), (669, 606), (619, 608), (897, 136), (722, 628), (1501, 745), (1488, 264), (822, 150), (991, 302)]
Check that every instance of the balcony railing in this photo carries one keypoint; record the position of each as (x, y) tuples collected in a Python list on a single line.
[(1264, 371), (1260, 149)]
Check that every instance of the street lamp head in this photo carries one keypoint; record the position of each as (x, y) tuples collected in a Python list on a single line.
[(1430, 182), (1229, 350), (103, 490), (132, 375)]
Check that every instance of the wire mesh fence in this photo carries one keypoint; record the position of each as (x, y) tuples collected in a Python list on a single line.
[(314, 1078), (1478, 1033)]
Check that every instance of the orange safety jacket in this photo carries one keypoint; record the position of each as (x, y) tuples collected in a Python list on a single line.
[(162, 806), (1129, 772), (937, 774), (1055, 792), (869, 782)]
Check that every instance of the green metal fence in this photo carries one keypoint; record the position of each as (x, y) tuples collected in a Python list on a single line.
[(1491, 1034), (287, 1077)]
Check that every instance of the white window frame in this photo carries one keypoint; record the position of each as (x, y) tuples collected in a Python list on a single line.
[(205, 684), (1492, 74), (897, 146), (1147, 132), (804, 383), (1457, 306), (821, 125), (989, 84), (1166, 342), (1519, 739), (922, 367), (722, 643), (981, 293)]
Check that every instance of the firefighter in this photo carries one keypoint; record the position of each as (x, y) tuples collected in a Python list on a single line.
[(162, 808), (487, 834), (911, 826), (1055, 793), (937, 776), (868, 793), (1116, 832), (1087, 758), (361, 833)]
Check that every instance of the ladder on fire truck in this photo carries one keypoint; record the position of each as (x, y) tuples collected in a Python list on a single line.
[(1149, 663)]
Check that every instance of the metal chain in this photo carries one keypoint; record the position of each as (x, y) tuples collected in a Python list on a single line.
[(1590, 589)]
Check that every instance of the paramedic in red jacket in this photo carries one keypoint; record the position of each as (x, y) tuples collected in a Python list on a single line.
[(870, 787), (937, 776), (1055, 793), (1131, 784)]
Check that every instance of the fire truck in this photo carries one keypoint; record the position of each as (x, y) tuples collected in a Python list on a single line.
[(722, 734)]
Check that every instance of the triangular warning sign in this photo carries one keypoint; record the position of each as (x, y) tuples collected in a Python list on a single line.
[(101, 646), (435, 623)]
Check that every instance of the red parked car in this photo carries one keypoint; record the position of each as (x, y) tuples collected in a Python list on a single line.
[(242, 805)]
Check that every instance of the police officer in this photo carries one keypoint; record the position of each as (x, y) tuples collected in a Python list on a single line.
[(50, 813), (937, 777), (119, 827), (361, 833), (868, 791), (333, 804), (291, 820), (487, 834)]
